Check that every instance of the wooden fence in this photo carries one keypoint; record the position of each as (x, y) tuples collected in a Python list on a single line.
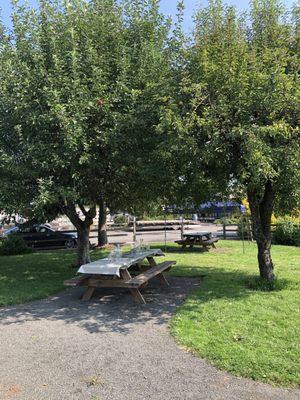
[(231, 231)]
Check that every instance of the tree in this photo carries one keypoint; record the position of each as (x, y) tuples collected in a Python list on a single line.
[(81, 88), (242, 108), (102, 232)]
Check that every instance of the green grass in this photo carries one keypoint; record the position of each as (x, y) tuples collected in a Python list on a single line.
[(249, 333), (36, 275)]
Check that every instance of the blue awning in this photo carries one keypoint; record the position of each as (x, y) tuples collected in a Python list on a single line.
[(219, 206)]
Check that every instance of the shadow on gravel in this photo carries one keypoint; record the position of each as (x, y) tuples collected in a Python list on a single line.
[(114, 310), (108, 310)]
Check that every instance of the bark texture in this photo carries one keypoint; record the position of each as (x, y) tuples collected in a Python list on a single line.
[(83, 246), (83, 230), (102, 231), (261, 207)]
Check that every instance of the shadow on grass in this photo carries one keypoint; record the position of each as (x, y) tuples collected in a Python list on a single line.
[(114, 310), (256, 283), (233, 286), (179, 250)]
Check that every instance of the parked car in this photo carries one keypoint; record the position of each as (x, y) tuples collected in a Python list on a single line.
[(43, 236)]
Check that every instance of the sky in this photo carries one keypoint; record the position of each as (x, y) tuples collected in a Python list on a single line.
[(167, 6)]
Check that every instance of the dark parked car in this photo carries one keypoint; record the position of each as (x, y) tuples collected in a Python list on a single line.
[(43, 236)]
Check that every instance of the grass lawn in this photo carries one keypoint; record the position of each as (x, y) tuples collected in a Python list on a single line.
[(36, 275), (249, 333)]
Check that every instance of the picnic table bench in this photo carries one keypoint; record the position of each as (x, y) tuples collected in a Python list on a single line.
[(127, 272), (204, 239)]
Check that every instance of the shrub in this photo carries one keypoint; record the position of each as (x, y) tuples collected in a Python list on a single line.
[(287, 232), (157, 217), (13, 245), (218, 221), (120, 219), (232, 220)]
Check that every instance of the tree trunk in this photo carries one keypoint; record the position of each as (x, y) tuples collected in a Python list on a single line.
[(102, 232), (261, 212), (83, 246), (266, 267), (83, 230)]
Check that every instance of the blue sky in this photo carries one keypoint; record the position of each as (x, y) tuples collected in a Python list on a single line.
[(167, 6)]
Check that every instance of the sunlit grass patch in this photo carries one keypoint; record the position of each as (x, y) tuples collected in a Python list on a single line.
[(37, 275), (234, 322)]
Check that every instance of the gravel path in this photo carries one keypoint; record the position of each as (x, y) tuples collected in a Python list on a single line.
[(112, 349)]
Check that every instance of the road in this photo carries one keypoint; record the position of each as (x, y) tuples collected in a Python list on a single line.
[(156, 236)]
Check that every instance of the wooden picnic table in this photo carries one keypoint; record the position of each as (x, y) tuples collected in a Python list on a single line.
[(129, 272), (204, 239)]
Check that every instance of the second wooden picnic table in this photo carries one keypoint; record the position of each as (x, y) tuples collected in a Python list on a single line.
[(127, 271), (204, 239)]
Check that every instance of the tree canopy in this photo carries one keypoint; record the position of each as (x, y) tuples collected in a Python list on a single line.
[(81, 87), (104, 102), (241, 96)]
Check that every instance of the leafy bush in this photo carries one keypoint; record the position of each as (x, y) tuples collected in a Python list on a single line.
[(287, 232), (120, 219), (158, 217), (13, 245), (232, 220)]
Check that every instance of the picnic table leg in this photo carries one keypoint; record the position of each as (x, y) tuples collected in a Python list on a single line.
[(88, 293), (136, 294), (193, 241), (151, 262), (163, 279), (161, 276), (192, 244)]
